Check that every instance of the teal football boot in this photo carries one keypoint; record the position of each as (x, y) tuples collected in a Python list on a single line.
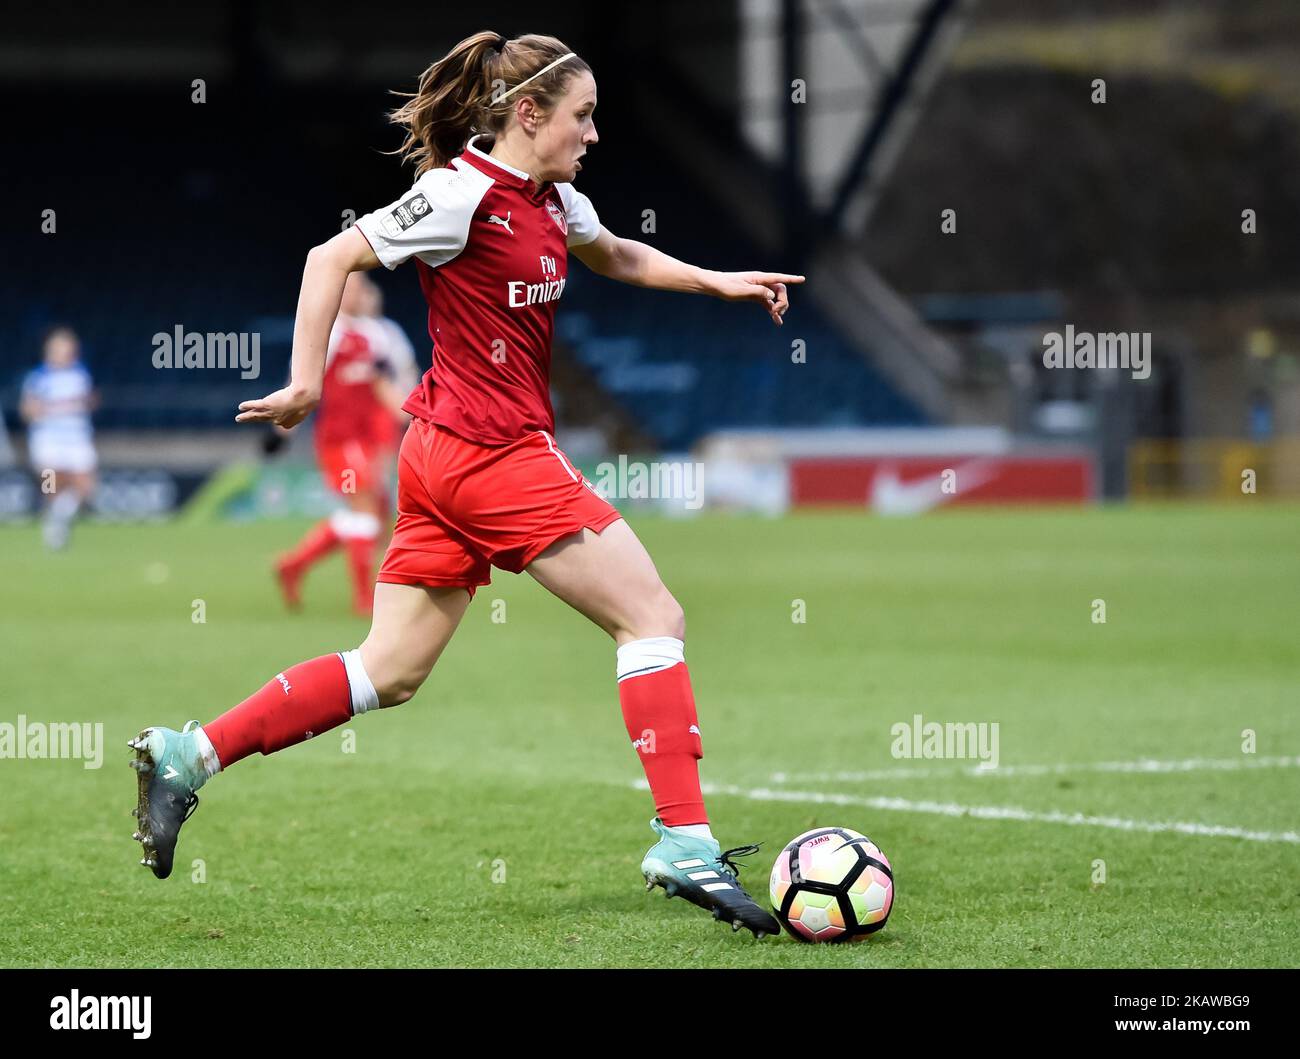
[(699, 870), (169, 769)]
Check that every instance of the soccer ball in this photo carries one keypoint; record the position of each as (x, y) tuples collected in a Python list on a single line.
[(832, 884)]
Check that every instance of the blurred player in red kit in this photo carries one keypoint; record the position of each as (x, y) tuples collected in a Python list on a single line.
[(355, 431), (399, 359), (490, 223)]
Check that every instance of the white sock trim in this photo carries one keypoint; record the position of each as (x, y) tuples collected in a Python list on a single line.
[(207, 752), (649, 655), (696, 831), (364, 696)]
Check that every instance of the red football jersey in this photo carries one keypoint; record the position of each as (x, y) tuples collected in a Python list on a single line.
[(350, 410), (492, 252)]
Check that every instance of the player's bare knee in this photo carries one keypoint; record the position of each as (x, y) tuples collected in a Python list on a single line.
[(661, 615)]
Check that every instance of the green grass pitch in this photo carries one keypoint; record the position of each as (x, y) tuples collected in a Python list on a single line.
[(494, 820)]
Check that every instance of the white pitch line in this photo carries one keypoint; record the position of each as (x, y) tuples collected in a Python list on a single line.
[(996, 812), (1144, 766)]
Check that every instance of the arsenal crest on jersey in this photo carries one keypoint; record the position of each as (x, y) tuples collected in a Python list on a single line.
[(557, 215)]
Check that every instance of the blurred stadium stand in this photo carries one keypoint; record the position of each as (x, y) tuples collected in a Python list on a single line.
[(1122, 217), (199, 215)]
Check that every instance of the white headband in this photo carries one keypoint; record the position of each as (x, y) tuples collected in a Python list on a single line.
[(544, 69)]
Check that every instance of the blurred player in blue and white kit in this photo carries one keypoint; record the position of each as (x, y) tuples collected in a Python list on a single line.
[(57, 399)]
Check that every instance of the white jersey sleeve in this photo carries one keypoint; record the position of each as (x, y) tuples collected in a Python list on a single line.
[(399, 352), (579, 215), (431, 221)]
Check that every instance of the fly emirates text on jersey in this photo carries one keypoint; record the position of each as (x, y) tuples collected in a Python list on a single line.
[(520, 293)]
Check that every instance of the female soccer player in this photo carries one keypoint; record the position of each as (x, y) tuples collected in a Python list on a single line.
[(57, 399), (482, 482), (358, 417)]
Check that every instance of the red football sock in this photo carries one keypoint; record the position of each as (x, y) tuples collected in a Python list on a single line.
[(659, 711), (305, 700), (361, 563), (318, 543)]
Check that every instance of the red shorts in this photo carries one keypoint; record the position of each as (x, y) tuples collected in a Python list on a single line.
[(351, 467), (463, 508)]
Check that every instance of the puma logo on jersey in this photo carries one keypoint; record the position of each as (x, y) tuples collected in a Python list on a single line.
[(494, 219), (693, 728)]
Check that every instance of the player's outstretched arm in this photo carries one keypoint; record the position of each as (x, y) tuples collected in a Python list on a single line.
[(642, 265), (327, 269)]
